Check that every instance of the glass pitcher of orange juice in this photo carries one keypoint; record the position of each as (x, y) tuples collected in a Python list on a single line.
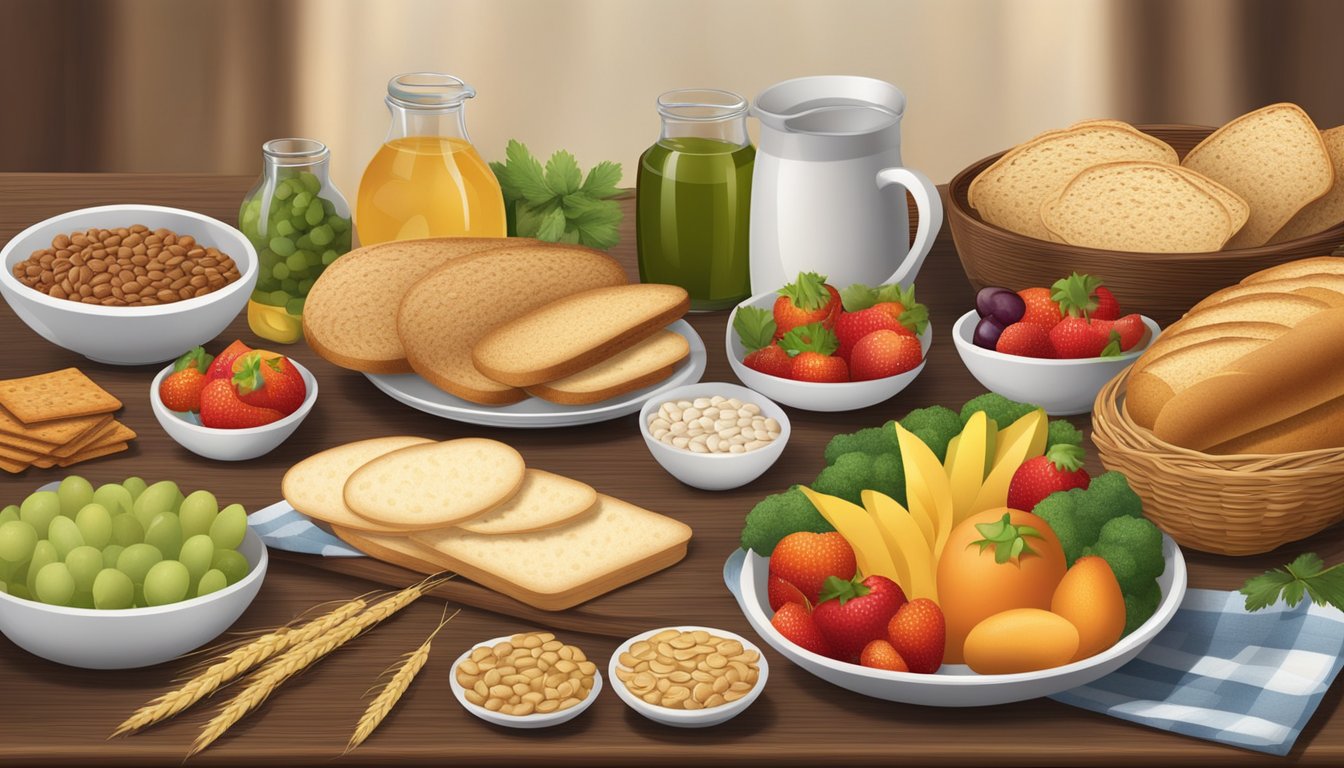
[(427, 180)]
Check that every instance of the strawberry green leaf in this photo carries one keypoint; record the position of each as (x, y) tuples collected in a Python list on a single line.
[(1112, 348), (813, 337), (602, 180), (1065, 456), (858, 297), (196, 358), (562, 173), (808, 292), (916, 318), (1075, 294), (844, 590), (894, 292), (249, 377), (755, 327), (1007, 540)]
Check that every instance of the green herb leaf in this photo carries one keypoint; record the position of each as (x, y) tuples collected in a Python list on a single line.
[(1306, 575), (510, 192), (562, 173), (755, 327), (602, 180), (552, 226), (523, 176)]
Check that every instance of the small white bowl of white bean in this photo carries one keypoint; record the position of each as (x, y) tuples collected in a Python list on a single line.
[(714, 435), (688, 677), (557, 683)]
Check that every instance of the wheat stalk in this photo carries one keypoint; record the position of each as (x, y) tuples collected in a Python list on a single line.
[(387, 698), (234, 664), (299, 658)]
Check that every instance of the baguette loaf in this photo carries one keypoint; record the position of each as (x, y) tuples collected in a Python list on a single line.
[(1152, 388), (1318, 265), (1168, 343), (1328, 288), (1314, 429)]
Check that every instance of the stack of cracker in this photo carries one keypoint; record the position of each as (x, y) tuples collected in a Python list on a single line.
[(57, 419)]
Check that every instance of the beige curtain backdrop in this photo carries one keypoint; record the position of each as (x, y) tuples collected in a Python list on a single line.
[(198, 85)]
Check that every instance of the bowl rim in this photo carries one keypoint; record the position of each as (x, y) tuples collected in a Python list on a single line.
[(252, 265), (668, 715), (785, 428), (258, 571), (961, 208), (964, 344), (309, 400), (518, 721)]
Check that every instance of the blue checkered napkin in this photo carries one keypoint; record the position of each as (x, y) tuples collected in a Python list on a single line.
[(283, 527), (1216, 672)]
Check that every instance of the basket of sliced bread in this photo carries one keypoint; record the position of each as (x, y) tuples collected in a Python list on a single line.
[(1231, 425), (1165, 214)]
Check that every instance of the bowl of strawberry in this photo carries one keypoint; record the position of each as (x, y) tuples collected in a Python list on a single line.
[(237, 405), (1055, 346), (816, 348)]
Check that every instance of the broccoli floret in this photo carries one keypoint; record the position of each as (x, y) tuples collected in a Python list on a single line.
[(1062, 432), (1133, 548), (853, 473), (775, 517), (935, 426), (1141, 604), (997, 407), (873, 440), (1058, 510)]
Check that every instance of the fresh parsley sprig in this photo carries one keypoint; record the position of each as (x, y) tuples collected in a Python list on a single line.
[(1305, 576), (558, 204)]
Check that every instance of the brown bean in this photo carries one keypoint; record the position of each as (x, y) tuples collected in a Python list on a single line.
[(166, 295), (101, 278), (97, 265), (102, 291), (61, 242)]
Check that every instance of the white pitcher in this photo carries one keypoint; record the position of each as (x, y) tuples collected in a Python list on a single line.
[(828, 191)]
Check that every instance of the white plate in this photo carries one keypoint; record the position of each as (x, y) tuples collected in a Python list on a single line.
[(535, 413), (688, 718), (955, 685), (518, 721)]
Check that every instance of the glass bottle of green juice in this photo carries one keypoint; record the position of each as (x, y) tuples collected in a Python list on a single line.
[(693, 195)]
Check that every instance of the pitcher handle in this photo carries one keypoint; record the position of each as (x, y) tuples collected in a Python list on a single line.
[(930, 207)]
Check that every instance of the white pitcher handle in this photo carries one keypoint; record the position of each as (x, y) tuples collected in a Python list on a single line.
[(930, 207)]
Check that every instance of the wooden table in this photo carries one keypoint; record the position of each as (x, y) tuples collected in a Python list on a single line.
[(56, 715)]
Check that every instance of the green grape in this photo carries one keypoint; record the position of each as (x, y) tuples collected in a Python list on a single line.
[(157, 498), (284, 228), (9, 513), (304, 243), (136, 560), (165, 534), (329, 257), (110, 554), (289, 286), (198, 552), (282, 246), (301, 201), (278, 298), (314, 214), (20, 591), (14, 573), (322, 235), (39, 509), (95, 525), (84, 563), (294, 306), (54, 585), (135, 486), (65, 536), (113, 590), (83, 599), (167, 582), (310, 182), (114, 498), (212, 580), (43, 554), (281, 271), (297, 261), (17, 540), (127, 530), (138, 600), (232, 563), (229, 527), (197, 513), (74, 492), (339, 224)]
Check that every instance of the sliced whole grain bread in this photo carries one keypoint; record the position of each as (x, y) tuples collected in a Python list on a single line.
[(1327, 211), (1170, 342), (544, 500), (648, 362), (1325, 287), (1316, 265), (315, 486)]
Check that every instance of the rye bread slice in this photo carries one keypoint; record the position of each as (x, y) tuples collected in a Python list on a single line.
[(646, 363), (1327, 211)]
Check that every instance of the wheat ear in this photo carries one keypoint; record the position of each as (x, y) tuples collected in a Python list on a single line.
[(387, 698)]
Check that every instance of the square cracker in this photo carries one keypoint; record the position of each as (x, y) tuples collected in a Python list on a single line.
[(39, 447), (53, 433), (56, 395), (101, 435), (19, 454), (13, 467), (93, 453)]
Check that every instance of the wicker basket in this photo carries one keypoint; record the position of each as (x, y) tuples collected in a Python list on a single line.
[(1228, 505)]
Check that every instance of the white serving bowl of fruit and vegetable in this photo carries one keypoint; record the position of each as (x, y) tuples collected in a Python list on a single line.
[(125, 575), (1054, 346), (816, 348), (945, 592)]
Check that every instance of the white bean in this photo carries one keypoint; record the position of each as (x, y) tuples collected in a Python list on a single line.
[(702, 403), (674, 414), (678, 428), (752, 408), (738, 440), (736, 449), (658, 434), (712, 443), (718, 400), (680, 442), (660, 424), (712, 412), (772, 425), (712, 425), (773, 435), (754, 444), (734, 403), (683, 404), (706, 423), (728, 432), (744, 422), (691, 414), (667, 438), (698, 448)]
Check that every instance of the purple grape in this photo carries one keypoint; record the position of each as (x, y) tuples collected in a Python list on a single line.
[(1000, 303), (987, 332)]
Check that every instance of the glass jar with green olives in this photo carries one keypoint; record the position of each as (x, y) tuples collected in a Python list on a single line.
[(299, 223)]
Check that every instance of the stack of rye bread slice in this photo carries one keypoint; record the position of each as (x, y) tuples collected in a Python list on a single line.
[(494, 320), (473, 507), (1254, 368)]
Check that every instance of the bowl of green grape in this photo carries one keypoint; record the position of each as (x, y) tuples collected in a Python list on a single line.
[(123, 575)]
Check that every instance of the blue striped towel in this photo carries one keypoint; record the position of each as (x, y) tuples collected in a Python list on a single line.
[(1216, 672), (283, 527)]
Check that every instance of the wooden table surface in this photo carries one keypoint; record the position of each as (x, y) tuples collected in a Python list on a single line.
[(58, 715)]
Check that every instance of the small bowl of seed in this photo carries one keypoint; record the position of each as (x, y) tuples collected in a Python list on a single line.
[(688, 677), (714, 436), (528, 680)]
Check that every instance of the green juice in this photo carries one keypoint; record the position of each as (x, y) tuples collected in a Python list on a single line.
[(691, 222)]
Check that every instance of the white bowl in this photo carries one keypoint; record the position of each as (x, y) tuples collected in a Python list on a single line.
[(811, 395), (688, 718), (129, 335), (135, 637), (955, 685), (715, 471), (230, 444), (1061, 387), (519, 721)]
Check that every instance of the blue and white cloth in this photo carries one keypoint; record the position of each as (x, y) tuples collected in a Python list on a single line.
[(283, 527), (1217, 672)]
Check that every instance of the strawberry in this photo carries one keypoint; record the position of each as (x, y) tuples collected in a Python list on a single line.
[(1041, 309), (806, 560), (782, 592), (918, 633), (772, 360), (221, 408), (870, 309), (1025, 339), (1060, 469), (1085, 296), (796, 625), (756, 329), (181, 389), (1123, 334), (884, 353), (222, 367), (850, 327), (816, 367), (806, 300), (1108, 307), (812, 347), (879, 654), (269, 382), (1075, 337), (853, 613)]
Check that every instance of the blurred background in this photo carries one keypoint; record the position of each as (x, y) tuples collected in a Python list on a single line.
[(198, 85)]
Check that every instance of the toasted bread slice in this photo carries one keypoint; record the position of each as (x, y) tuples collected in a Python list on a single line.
[(350, 315), (1325, 287), (315, 486), (398, 549), (1274, 159), (452, 308), (543, 501), (646, 363), (1149, 389), (577, 332), (1316, 265), (1327, 211)]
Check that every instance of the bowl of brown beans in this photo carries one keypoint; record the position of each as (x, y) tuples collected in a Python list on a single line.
[(688, 677), (128, 284), (527, 680)]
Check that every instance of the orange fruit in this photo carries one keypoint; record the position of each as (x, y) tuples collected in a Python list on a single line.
[(1089, 597), (1020, 640)]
